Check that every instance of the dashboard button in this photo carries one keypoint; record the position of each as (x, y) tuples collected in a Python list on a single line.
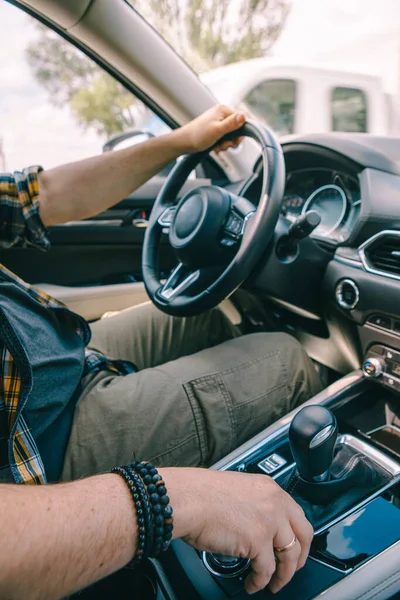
[(380, 321), (272, 463), (373, 367), (347, 294)]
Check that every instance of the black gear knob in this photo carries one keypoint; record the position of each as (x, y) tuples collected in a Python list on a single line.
[(312, 436)]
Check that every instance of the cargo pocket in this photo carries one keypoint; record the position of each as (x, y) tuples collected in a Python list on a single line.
[(214, 416), (259, 392)]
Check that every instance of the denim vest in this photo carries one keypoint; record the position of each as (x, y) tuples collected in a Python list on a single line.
[(50, 357)]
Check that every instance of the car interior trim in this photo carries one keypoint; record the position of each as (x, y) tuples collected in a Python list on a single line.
[(367, 243), (359, 585), (348, 261), (296, 309)]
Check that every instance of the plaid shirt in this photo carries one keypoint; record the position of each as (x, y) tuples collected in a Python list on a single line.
[(20, 224)]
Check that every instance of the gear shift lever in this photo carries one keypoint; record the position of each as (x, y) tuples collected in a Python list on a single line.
[(312, 435)]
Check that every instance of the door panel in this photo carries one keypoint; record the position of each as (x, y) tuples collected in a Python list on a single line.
[(97, 261), (99, 251), (93, 301)]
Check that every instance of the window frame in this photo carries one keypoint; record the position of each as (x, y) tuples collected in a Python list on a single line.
[(207, 168), (129, 85)]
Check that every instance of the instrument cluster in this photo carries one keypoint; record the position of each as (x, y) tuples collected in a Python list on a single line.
[(334, 195)]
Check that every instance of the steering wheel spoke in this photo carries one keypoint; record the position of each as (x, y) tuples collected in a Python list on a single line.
[(166, 217), (184, 281), (179, 280)]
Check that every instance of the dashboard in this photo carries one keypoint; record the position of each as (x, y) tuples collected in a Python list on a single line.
[(333, 194), (339, 292)]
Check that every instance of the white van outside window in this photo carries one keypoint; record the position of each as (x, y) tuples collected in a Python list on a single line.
[(274, 102), (349, 110)]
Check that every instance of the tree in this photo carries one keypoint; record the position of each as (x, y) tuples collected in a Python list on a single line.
[(212, 33), (207, 33), (71, 78)]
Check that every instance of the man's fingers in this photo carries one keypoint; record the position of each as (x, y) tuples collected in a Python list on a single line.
[(263, 567), (286, 562), (224, 146), (304, 533), (234, 121), (228, 144)]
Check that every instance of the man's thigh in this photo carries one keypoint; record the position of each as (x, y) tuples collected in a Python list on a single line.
[(148, 337), (191, 411)]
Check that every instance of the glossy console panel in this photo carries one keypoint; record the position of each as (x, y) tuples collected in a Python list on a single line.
[(362, 535)]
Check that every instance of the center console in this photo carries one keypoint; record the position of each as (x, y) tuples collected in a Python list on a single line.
[(339, 457)]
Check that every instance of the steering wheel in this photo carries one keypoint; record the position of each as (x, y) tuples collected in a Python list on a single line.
[(217, 236)]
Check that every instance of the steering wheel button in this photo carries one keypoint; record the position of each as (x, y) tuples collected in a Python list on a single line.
[(227, 242), (233, 225)]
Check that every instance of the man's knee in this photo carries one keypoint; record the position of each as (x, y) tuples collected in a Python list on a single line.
[(298, 369), (260, 344)]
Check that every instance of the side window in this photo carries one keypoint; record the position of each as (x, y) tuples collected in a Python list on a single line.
[(349, 109), (274, 102), (56, 104)]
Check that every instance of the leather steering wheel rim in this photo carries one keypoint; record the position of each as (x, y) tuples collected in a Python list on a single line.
[(258, 229)]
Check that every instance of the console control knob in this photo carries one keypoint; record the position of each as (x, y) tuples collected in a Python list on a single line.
[(222, 565), (312, 436), (373, 367)]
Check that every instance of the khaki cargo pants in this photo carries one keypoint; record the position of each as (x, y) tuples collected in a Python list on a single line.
[(201, 391)]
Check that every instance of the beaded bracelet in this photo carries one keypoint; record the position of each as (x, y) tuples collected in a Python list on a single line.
[(143, 516), (161, 509), (148, 516)]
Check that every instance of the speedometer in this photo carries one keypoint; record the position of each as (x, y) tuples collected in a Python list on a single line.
[(330, 202)]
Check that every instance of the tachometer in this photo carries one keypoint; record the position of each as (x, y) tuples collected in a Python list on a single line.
[(330, 202)]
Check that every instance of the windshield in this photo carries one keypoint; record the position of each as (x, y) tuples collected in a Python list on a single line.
[(298, 65)]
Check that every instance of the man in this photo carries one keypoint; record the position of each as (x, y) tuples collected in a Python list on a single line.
[(70, 410)]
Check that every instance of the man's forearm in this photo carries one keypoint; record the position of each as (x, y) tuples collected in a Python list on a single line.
[(88, 187), (57, 539), (60, 538), (82, 189)]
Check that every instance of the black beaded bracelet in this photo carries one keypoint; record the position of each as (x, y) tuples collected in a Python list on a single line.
[(148, 516), (143, 511), (160, 506)]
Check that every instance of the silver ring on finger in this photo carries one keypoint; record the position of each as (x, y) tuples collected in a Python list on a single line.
[(286, 548)]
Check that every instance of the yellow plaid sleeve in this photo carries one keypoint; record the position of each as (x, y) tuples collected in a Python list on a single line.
[(20, 222)]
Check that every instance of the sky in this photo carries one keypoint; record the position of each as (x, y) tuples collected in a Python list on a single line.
[(359, 35), (350, 34)]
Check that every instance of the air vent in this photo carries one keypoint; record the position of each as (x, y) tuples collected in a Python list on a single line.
[(382, 253)]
